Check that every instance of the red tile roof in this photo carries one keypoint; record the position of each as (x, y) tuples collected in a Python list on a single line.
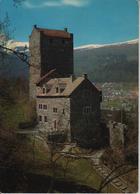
[(54, 33)]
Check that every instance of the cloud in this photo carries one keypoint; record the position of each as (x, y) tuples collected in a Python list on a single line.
[(30, 4), (76, 3)]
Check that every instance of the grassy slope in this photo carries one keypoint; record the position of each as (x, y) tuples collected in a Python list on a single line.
[(79, 170)]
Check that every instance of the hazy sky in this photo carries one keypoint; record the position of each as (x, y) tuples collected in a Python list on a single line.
[(91, 21)]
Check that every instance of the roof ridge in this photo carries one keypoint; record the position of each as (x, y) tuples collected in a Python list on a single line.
[(51, 30), (54, 33)]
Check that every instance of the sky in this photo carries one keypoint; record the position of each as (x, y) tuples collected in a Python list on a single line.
[(91, 21)]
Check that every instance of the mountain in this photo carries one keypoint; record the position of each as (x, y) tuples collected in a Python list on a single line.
[(117, 62), (10, 64)]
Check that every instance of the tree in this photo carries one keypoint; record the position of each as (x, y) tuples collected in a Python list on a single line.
[(5, 32), (117, 172)]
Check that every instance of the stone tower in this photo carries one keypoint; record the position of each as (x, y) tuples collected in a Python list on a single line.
[(49, 49)]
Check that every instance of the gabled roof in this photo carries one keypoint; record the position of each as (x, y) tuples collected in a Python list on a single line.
[(73, 85), (54, 33), (70, 84)]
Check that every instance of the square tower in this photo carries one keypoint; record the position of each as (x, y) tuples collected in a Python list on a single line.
[(49, 49)]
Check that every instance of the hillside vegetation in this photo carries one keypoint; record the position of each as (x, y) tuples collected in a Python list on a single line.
[(111, 63), (114, 63)]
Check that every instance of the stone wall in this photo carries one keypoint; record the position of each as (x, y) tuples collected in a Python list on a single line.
[(117, 134), (85, 114), (47, 53), (57, 121), (57, 53), (35, 62)]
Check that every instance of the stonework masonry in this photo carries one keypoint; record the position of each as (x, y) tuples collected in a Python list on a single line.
[(57, 114), (49, 49), (117, 134), (71, 106), (65, 104)]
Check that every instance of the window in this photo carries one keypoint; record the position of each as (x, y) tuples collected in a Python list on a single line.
[(44, 90), (57, 90), (45, 119), (55, 124), (63, 111), (45, 106), (40, 106), (62, 87), (54, 109), (87, 109), (40, 118)]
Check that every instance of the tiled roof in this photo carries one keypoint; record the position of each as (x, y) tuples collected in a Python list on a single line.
[(71, 85), (54, 33)]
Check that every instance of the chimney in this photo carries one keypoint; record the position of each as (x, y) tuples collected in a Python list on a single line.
[(85, 75), (66, 29)]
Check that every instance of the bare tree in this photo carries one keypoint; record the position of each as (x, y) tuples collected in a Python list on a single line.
[(117, 172)]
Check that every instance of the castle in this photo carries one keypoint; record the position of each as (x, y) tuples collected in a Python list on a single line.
[(65, 104)]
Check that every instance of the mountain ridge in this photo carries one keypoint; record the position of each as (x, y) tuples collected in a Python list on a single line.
[(14, 43), (117, 62), (133, 41)]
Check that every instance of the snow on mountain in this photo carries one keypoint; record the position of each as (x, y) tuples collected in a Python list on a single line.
[(92, 46), (18, 46), (22, 46)]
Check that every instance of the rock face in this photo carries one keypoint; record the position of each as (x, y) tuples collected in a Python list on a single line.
[(10, 64)]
